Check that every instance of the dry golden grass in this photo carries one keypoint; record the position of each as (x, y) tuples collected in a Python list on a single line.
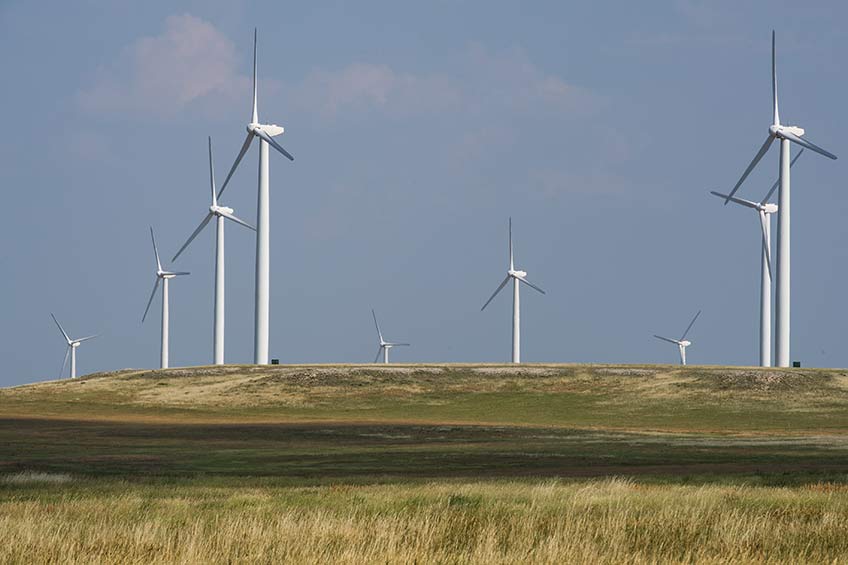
[(597, 521)]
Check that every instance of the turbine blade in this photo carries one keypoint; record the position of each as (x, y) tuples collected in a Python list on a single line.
[(774, 80), (152, 294), (82, 339), (193, 235), (736, 199), (212, 175), (753, 164), (379, 350), (689, 327), (777, 182), (379, 333), (674, 341), (236, 220), (397, 344), (255, 114), (60, 328), (245, 146), (179, 273), (503, 284), (766, 248), (155, 251), (809, 145), (531, 285), (64, 361), (274, 144), (511, 264)]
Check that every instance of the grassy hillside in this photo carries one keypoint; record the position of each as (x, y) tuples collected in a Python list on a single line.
[(585, 396), (329, 422)]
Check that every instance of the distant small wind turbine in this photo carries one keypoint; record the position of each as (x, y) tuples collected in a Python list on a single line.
[(164, 276), (72, 349), (681, 343), (517, 277), (219, 213), (764, 210), (384, 345)]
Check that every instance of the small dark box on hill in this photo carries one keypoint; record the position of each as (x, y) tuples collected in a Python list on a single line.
[(796, 363), (275, 361)]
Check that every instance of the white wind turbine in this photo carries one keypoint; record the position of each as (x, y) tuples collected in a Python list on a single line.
[(384, 345), (265, 133), (681, 343), (785, 134), (164, 276), (764, 211), (517, 277), (72, 349), (219, 213)]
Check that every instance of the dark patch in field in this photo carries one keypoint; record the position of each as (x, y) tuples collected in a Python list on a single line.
[(392, 451)]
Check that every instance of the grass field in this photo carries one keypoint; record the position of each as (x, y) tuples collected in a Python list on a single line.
[(446, 463)]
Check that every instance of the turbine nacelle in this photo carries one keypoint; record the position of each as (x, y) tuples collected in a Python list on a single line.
[(769, 208), (517, 274), (684, 343), (220, 210), (271, 129), (779, 131)]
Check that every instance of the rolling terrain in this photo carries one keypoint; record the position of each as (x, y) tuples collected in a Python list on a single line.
[(450, 463)]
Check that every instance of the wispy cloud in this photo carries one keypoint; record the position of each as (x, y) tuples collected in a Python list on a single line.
[(191, 61), (367, 86), (479, 81), (511, 81)]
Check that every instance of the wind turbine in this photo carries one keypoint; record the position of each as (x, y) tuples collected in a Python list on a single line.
[(266, 134), (219, 213), (681, 343), (764, 210), (517, 277), (384, 345), (72, 349), (164, 276), (785, 134)]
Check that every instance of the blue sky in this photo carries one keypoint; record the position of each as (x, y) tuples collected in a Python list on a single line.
[(418, 129)]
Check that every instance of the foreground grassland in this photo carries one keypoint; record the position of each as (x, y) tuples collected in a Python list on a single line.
[(55, 519), (427, 463)]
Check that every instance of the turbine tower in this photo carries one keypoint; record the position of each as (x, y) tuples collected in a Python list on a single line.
[(681, 343), (785, 134), (219, 213), (384, 345), (764, 210), (517, 277), (72, 349), (266, 134), (164, 276)]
